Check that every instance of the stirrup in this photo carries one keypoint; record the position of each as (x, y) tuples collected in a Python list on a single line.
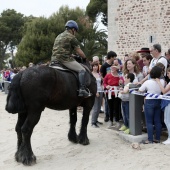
[(90, 94), (88, 91)]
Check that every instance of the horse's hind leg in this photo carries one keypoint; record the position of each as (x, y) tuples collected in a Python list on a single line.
[(20, 122), (83, 139), (72, 136), (25, 153)]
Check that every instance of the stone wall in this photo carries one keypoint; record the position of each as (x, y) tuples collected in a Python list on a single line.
[(133, 24)]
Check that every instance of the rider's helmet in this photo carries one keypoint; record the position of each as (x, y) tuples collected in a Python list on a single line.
[(72, 24)]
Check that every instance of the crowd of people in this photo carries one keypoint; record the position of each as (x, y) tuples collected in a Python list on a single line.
[(7, 74), (148, 68)]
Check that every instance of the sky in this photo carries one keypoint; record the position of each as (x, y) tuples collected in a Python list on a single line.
[(40, 7), (44, 8)]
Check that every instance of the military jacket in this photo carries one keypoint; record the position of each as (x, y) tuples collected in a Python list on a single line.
[(64, 45)]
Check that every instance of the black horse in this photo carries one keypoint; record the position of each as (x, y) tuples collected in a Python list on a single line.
[(38, 87)]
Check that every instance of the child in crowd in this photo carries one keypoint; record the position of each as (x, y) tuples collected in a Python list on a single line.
[(124, 95), (146, 61), (152, 106), (165, 104)]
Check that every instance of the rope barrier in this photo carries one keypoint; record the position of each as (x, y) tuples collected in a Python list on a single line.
[(154, 96), (133, 91), (6, 81)]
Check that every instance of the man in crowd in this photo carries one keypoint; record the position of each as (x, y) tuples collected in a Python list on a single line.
[(105, 68), (156, 54)]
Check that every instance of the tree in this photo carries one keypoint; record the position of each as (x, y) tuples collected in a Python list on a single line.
[(11, 24), (36, 43), (94, 42), (96, 8), (39, 35)]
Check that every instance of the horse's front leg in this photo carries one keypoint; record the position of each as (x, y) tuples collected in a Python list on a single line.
[(83, 139), (20, 122), (72, 136), (25, 153)]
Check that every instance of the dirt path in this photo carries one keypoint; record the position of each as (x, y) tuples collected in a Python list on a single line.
[(54, 152)]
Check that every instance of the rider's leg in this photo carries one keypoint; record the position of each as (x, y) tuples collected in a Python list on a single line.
[(75, 66), (82, 88)]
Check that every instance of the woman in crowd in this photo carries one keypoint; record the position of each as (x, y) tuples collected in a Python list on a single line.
[(152, 106), (111, 83), (99, 95), (131, 66), (165, 105), (134, 55)]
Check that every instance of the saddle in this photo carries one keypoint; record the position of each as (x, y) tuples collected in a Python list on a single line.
[(59, 66)]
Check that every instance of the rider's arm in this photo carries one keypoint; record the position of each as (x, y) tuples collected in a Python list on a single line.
[(80, 52)]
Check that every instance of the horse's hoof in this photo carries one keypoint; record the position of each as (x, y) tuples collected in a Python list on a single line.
[(72, 137), (29, 160), (74, 140), (26, 160), (83, 140), (17, 157)]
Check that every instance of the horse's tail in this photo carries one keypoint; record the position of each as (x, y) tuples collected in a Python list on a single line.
[(15, 102)]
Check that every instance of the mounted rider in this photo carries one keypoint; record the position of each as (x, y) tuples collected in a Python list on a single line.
[(64, 45)]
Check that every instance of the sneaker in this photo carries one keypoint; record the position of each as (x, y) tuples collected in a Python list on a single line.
[(110, 125), (114, 123), (156, 141), (106, 119), (100, 123), (167, 142), (127, 131), (117, 125), (95, 125), (123, 128)]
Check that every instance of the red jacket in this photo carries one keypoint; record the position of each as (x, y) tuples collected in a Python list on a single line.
[(111, 80)]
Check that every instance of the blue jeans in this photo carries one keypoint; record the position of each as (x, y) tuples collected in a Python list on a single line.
[(125, 108), (152, 109), (96, 108)]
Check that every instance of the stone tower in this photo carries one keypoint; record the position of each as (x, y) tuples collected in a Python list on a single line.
[(133, 24)]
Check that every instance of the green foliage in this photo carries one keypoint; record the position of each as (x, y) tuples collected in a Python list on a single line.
[(96, 8), (34, 36), (11, 24), (36, 43), (95, 43), (39, 34)]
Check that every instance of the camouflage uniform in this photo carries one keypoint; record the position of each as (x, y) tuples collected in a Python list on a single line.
[(64, 45), (63, 48)]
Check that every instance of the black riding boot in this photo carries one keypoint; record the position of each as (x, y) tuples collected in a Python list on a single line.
[(82, 90)]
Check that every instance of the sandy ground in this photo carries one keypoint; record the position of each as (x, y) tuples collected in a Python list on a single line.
[(53, 150)]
